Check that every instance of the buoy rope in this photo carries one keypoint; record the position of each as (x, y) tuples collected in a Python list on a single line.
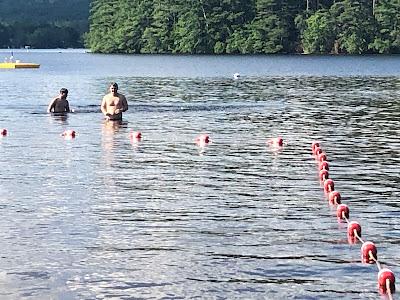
[(343, 216), (371, 256), (378, 264), (358, 237), (388, 290)]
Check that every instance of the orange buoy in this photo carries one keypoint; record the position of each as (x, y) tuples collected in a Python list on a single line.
[(317, 152), (136, 135), (276, 142), (342, 212), (323, 175), (353, 231), (329, 186), (386, 281), (3, 132), (323, 165), (202, 139), (69, 133), (322, 157), (334, 197), (369, 253), (314, 145)]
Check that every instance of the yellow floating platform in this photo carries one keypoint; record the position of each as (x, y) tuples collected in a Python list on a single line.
[(18, 65)]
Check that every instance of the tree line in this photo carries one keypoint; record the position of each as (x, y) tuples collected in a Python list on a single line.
[(43, 36), (43, 23), (244, 26)]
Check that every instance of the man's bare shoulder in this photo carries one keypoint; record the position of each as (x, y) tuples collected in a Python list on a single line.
[(107, 96)]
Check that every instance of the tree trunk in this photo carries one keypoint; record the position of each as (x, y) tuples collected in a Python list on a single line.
[(373, 7)]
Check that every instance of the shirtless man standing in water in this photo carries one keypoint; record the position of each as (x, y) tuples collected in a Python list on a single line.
[(114, 104), (59, 104)]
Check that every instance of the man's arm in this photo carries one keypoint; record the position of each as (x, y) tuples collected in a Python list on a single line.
[(124, 104), (103, 106), (51, 105), (67, 107)]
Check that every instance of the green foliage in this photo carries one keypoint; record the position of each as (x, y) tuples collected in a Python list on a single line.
[(38, 36), (43, 24), (44, 11), (4, 36), (268, 31), (354, 25), (189, 34), (156, 37), (388, 23), (319, 36), (204, 26)]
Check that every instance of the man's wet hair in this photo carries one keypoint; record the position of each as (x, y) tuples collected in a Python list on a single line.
[(114, 84), (63, 91)]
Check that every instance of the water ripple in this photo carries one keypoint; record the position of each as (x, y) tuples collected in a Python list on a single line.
[(163, 218)]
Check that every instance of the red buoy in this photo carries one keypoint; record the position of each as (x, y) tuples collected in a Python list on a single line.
[(334, 198), (353, 231), (69, 133), (329, 186), (275, 142), (3, 132), (342, 212), (322, 157), (323, 175), (323, 165), (317, 152), (369, 253), (386, 281), (135, 135), (202, 139), (314, 145)]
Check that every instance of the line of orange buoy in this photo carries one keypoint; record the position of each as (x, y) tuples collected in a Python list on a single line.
[(134, 136), (369, 253), (202, 139)]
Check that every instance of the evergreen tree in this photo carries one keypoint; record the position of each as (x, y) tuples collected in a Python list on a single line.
[(189, 33), (226, 16), (132, 18), (244, 26), (387, 14), (268, 33), (102, 26), (354, 25), (4, 36), (157, 36), (318, 36)]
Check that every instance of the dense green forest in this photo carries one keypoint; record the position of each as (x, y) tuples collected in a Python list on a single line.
[(244, 26), (43, 23)]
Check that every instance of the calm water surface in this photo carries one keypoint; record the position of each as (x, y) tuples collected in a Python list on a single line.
[(104, 217)]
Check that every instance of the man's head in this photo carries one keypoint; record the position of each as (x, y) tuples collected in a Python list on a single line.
[(113, 87), (64, 92)]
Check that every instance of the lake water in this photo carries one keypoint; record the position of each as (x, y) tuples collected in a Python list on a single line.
[(104, 217)]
